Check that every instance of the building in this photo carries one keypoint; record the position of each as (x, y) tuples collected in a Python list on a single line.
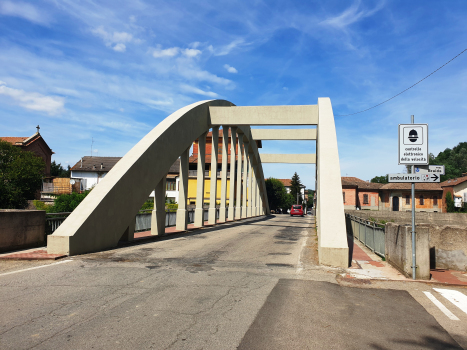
[(288, 186), (458, 189), (359, 194), (34, 144), (398, 197), (89, 171), (193, 166)]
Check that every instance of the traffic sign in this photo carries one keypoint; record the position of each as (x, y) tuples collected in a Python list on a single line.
[(413, 178), (430, 169), (413, 144)]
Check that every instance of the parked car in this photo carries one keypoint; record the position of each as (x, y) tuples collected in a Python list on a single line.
[(296, 210)]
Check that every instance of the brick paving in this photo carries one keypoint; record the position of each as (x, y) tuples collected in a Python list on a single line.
[(40, 254)]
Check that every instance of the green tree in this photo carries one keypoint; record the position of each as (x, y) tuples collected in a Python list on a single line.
[(450, 203), (277, 195), (20, 176), (67, 202), (58, 170), (454, 161), (380, 179), (295, 188)]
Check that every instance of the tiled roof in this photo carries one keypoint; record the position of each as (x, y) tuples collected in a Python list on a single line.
[(94, 164), (14, 140), (407, 186), (286, 182), (453, 182), (354, 181)]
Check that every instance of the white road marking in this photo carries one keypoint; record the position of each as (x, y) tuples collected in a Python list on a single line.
[(443, 308), (299, 263), (36, 267), (457, 298)]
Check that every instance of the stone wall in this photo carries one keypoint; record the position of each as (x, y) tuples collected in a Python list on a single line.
[(398, 249), (21, 229), (404, 217), (448, 247)]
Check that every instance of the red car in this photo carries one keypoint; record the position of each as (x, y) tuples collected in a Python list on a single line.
[(296, 210)]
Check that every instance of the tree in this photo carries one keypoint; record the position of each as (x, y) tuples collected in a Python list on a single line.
[(380, 179), (20, 176), (450, 203), (295, 188), (277, 195), (454, 161), (58, 170)]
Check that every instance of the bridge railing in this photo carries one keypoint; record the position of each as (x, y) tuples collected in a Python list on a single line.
[(370, 233)]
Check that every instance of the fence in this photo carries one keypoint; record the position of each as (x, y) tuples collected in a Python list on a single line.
[(142, 222), (370, 233)]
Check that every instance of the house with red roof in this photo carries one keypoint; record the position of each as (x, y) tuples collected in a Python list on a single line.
[(398, 197), (458, 189), (34, 144), (360, 194)]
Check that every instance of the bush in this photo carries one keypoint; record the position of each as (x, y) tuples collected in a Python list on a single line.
[(450, 203)]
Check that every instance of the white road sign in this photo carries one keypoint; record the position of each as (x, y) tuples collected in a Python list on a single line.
[(430, 169), (413, 144), (413, 178)]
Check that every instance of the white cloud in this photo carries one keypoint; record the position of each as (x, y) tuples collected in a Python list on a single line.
[(120, 47), (189, 88), (196, 73), (225, 50), (350, 16), (132, 19), (230, 69), (170, 52), (33, 100), (23, 10), (191, 52), (116, 40)]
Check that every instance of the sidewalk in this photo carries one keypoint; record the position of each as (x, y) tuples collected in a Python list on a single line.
[(367, 265)]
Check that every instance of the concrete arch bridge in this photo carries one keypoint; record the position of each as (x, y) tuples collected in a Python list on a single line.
[(107, 214)]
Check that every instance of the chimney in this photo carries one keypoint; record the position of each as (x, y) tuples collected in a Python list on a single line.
[(102, 166), (93, 167), (81, 163)]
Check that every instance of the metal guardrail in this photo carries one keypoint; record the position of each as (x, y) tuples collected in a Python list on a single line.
[(370, 233), (142, 221)]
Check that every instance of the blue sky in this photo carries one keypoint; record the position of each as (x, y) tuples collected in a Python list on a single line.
[(112, 70)]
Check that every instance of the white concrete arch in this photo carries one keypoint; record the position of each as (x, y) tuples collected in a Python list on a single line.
[(101, 220)]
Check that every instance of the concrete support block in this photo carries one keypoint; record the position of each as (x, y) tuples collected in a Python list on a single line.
[(129, 233), (233, 145), (21, 229), (199, 210), (332, 236), (225, 145), (213, 189), (182, 213), (158, 214), (238, 199)]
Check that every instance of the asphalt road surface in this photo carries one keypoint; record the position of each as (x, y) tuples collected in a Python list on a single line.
[(249, 285)]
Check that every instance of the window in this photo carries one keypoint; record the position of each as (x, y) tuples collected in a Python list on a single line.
[(343, 196), (170, 185), (435, 200), (365, 199), (407, 199), (422, 201)]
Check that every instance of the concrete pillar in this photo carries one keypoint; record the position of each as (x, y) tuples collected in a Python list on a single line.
[(249, 212), (253, 193), (129, 233), (158, 214), (225, 145), (199, 210), (245, 179), (213, 191), (238, 198), (233, 142), (182, 213)]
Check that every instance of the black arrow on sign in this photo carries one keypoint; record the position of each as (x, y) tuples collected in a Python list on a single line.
[(434, 177)]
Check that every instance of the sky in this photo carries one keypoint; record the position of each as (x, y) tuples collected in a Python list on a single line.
[(105, 73)]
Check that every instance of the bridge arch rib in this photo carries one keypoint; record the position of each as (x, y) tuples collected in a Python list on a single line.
[(108, 212)]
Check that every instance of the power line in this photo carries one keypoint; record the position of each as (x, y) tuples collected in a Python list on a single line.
[(418, 82)]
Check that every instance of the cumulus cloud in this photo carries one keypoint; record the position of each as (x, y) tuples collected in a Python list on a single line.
[(170, 52), (115, 40), (195, 90), (23, 10), (33, 100), (230, 69)]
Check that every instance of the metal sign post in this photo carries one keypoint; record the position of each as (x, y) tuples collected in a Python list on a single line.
[(414, 262)]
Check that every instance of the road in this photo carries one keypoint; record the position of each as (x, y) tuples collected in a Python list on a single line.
[(253, 284)]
